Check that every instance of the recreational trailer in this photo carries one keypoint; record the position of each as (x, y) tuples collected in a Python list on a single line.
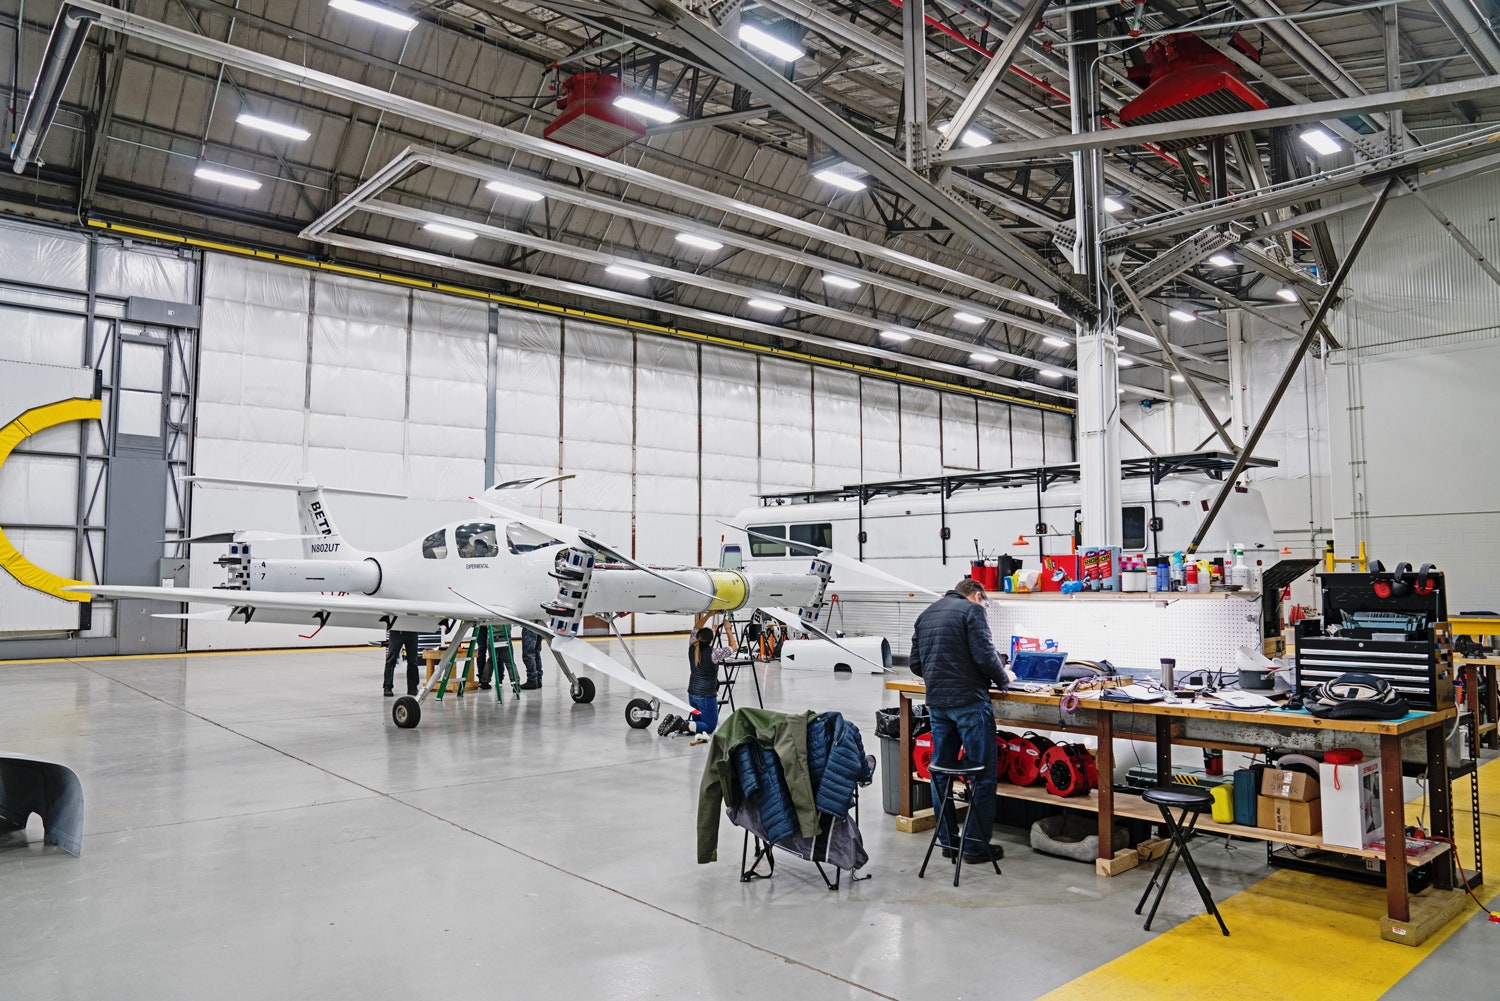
[(927, 530)]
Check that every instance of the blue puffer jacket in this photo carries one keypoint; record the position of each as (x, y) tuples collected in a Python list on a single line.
[(758, 772), (952, 651), (836, 758)]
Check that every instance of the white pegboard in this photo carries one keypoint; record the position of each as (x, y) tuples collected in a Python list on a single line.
[(1134, 632)]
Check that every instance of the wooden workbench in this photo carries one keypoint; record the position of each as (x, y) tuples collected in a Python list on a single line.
[(1166, 724)]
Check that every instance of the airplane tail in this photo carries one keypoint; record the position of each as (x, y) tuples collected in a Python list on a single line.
[(320, 537)]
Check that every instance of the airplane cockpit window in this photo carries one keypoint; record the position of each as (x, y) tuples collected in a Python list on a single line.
[(435, 546), (476, 540), (525, 539)]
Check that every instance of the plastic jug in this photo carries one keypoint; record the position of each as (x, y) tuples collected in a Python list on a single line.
[(1223, 812)]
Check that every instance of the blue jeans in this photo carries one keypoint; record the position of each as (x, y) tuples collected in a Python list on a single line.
[(973, 729), (707, 719)]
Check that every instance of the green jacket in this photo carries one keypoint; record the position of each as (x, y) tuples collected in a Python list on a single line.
[(783, 734)]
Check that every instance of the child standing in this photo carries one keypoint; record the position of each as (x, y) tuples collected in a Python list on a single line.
[(703, 687)]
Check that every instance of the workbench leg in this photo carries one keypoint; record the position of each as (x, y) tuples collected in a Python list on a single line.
[(903, 754), (1104, 761), (1163, 751), (1492, 705), (1471, 700), (1393, 803), (1440, 799)]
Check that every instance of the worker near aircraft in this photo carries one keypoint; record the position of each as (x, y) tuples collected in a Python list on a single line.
[(531, 658), (953, 652), (397, 640)]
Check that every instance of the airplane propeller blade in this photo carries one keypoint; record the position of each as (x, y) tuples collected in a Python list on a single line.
[(577, 649), (576, 538), (838, 560), (794, 622)]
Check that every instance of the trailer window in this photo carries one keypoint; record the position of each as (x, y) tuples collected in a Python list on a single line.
[(435, 546), (820, 536), (761, 543), (1133, 527), (731, 558)]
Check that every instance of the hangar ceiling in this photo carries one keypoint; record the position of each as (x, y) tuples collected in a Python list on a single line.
[(812, 199)]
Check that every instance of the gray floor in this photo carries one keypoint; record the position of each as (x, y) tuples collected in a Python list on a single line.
[(257, 827)]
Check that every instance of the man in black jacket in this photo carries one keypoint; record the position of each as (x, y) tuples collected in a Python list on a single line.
[(952, 651)]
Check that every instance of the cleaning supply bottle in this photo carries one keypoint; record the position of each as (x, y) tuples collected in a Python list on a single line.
[(1176, 573), (1239, 573)]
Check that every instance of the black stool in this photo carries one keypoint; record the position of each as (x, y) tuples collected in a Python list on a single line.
[(954, 773), (1192, 802)]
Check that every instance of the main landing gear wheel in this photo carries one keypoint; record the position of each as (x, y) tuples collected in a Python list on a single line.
[(406, 712), (583, 690), (639, 714)]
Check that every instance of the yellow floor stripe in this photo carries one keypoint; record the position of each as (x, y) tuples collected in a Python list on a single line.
[(1293, 935)]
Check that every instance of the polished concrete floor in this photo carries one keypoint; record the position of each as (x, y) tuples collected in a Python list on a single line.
[(258, 828)]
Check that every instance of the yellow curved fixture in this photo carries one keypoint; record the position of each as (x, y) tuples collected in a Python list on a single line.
[(29, 423)]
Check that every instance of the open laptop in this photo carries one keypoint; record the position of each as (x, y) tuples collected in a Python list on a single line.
[(1037, 666)]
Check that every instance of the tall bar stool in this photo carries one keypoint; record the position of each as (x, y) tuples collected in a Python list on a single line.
[(1191, 802), (955, 774)]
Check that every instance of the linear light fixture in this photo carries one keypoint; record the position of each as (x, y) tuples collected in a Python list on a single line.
[(1050, 373), (831, 176), (1287, 292), (1113, 204), (1221, 261), (895, 335), (759, 38), (1183, 316), (275, 128), (1177, 378), (375, 12), (514, 191), (839, 281), (1123, 362), (765, 305), (1321, 142), (968, 318), (982, 358), (1056, 342), (621, 271), (645, 109), (701, 242), (971, 138), (452, 232), (225, 177)]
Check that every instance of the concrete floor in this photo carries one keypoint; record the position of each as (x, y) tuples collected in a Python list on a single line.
[(258, 828)]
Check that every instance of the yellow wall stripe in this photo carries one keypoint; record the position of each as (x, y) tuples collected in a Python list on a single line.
[(29, 423), (1293, 935)]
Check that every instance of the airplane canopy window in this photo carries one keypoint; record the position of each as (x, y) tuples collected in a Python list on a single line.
[(476, 540), (731, 558), (760, 546), (813, 535), (1133, 527), (525, 539), (435, 546)]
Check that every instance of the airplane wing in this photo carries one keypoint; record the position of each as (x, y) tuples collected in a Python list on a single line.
[(838, 560), (309, 609), (792, 621)]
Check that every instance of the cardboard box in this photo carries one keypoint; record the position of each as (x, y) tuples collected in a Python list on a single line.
[(1280, 783), (1288, 815), (1352, 806), (1058, 569)]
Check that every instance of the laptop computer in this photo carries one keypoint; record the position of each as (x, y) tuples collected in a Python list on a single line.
[(1037, 666)]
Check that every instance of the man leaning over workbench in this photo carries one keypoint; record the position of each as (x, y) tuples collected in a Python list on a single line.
[(951, 650)]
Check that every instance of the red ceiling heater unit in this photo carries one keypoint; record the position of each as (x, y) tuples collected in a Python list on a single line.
[(1189, 79), (589, 120)]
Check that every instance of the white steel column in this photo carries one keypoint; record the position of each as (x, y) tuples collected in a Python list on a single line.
[(1098, 420)]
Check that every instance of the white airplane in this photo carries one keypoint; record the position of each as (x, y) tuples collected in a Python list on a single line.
[(503, 568)]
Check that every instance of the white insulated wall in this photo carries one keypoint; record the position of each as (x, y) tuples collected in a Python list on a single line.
[(1412, 401)]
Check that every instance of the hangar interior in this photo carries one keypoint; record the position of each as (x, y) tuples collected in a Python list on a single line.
[(419, 250)]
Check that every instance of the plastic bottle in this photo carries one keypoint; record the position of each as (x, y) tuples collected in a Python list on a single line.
[(1190, 577), (1240, 572), (1176, 573)]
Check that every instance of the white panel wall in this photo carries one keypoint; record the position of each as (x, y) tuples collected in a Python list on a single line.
[(730, 467), (598, 399), (836, 427), (1026, 439), (921, 434), (448, 387), (786, 449), (880, 417), (666, 462), (960, 433), (994, 435), (528, 412)]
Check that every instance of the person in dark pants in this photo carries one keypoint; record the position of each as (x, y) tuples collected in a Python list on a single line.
[(703, 688), (395, 641), (531, 658), (952, 651), (483, 638)]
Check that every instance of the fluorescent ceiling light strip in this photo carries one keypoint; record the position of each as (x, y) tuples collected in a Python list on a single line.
[(450, 231), (895, 335), (621, 271), (1183, 316), (275, 128), (844, 181), (1289, 294), (225, 177), (1177, 378), (1056, 342), (968, 318), (701, 242), (839, 281), (1113, 205), (765, 305), (1050, 373), (645, 109), (1321, 142), (1221, 261), (514, 191), (375, 12), (982, 358), (757, 38)]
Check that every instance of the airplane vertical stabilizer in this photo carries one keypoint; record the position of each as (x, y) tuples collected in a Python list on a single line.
[(321, 538)]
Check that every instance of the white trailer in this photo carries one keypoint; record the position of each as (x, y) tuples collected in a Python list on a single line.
[(926, 530)]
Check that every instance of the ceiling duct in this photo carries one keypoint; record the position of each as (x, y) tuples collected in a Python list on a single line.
[(1189, 79), (589, 120)]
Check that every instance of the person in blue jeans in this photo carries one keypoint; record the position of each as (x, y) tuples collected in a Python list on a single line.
[(703, 687), (952, 651)]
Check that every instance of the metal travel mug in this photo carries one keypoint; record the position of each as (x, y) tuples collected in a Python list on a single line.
[(1168, 668)]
